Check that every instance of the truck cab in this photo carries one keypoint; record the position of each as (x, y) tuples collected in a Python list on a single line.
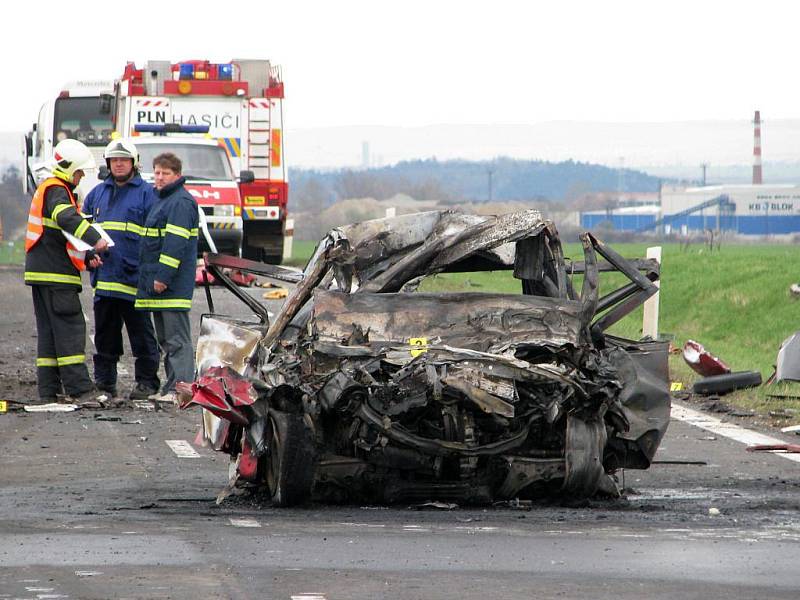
[(81, 111), (209, 179)]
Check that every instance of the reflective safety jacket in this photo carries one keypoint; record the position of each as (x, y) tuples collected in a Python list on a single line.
[(49, 258), (169, 250), (121, 210)]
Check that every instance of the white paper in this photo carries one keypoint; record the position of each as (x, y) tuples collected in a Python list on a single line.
[(52, 407), (82, 246)]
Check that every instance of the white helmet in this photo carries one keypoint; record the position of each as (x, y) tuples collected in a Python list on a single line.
[(121, 149), (70, 156)]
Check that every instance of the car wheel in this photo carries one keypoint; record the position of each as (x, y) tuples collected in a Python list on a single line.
[(290, 463), (722, 384)]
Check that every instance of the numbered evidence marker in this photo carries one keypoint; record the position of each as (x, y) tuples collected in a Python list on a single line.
[(418, 346)]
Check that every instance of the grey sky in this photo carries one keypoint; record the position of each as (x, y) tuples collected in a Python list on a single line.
[(414, 62)]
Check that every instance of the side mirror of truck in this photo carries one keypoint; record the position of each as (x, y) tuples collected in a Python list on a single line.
[(106, 103), (246, 177), (28, 146), (103, 173)]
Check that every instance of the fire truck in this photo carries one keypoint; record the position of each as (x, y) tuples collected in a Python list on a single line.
[(240, 106)]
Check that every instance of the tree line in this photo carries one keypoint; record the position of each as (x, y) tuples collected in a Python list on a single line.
[(14, 204), (458, 181)]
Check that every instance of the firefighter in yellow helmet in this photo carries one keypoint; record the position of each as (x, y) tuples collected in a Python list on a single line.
[(52, 269)]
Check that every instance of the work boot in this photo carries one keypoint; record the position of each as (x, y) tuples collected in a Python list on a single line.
[(108, 389), (142, 392), (92, 396), (167, 397)]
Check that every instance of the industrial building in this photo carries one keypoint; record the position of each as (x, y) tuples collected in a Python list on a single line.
[(756, 210), (747, 210)]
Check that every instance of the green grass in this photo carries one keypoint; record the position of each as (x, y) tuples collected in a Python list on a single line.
[(12, 253), (301, 252)]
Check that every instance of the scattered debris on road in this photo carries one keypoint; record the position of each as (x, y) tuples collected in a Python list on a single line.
[(788, 448), (724, 384), (51, 407), (276, 294), (703, 362), (787, 366)]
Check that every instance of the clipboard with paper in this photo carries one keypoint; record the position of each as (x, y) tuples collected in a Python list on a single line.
[(82, 246)]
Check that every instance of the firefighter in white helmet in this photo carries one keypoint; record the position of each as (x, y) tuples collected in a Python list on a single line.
[(52, 269), (120, 205)]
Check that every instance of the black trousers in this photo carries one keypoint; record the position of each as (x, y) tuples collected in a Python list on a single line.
[(61, 338), (109, 316)]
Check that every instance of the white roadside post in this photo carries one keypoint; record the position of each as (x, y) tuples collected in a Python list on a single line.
[(650, 317), (288, 238), (391, 212)]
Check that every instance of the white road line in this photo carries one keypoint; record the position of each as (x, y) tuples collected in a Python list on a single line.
[(244, 522), (308, 597), (182, 449), (416, 528), (728, 430)]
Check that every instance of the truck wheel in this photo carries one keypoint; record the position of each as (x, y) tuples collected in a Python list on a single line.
[(722, 384), (291, 460)]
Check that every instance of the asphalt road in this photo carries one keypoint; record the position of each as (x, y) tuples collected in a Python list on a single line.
[(97, 504)]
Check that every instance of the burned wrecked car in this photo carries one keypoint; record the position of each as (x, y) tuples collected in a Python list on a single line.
[(362, 388)]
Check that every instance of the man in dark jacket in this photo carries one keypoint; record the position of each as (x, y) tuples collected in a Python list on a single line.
[(120, 204), (167, 266), (53, 268)]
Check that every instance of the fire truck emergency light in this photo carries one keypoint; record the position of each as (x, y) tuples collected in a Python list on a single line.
[(225, 72), (186, 71)]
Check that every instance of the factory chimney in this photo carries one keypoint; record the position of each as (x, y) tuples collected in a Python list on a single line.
[(757, 149)]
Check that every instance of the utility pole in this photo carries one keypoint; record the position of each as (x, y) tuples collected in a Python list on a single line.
[(704, 166), (489, 172)]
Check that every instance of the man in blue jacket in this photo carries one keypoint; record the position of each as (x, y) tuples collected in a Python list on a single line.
[(166, 278), (120, 204)]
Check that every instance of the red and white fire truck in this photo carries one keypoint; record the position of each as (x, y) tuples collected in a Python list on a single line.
[(240, 105)]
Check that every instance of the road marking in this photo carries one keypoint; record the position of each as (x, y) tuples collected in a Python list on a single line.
[(308, 597), (182, 449), (244, 522), (728, 430)]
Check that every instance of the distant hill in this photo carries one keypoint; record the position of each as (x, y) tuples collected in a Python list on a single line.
[(686, 144), (503, 179)]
